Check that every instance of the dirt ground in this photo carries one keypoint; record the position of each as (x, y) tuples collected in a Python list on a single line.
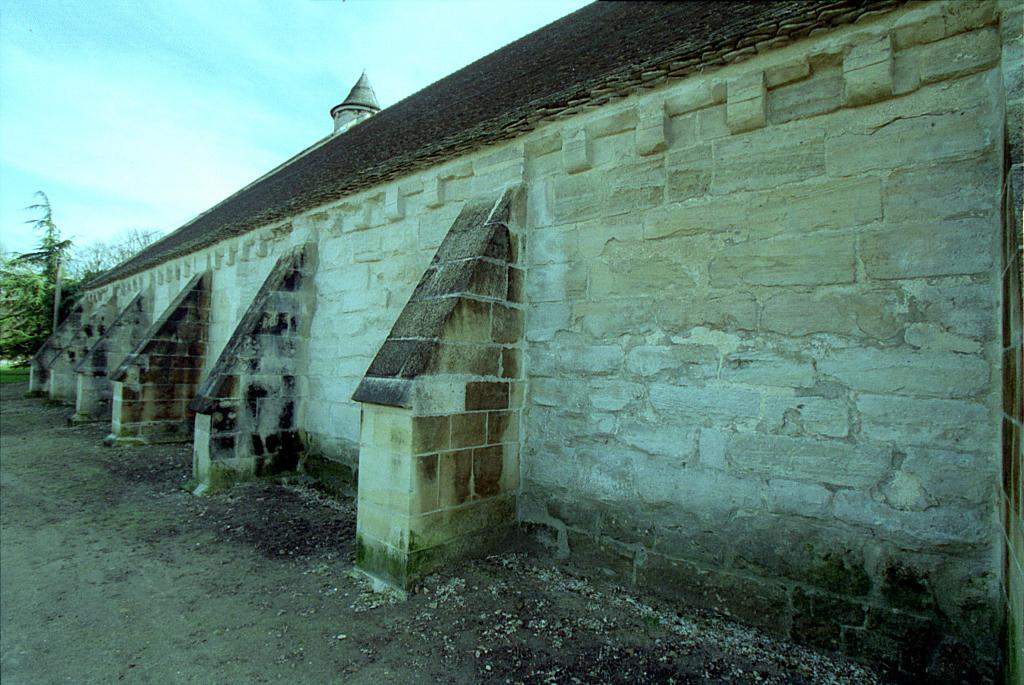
[(110, 571)]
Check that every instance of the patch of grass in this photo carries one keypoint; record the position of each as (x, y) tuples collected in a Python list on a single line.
[(13, 375)]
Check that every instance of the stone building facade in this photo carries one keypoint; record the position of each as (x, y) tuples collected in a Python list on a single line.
[(736, 314)]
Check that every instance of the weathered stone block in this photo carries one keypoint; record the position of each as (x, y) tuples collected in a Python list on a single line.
[(947, 525), (932, 337), (699, 405), (488, 466), (787, 72), (948, 476), (768, 159), (651, 129), (430, 434), (717, 309), (614, 395), (811, 97), (544, 319), (576, 151), (486, 395), (689, 172), (394, 204), (502, 426), (966, 308), (675, 445), (807, 416), (556, 282), (907, 372), (639, 268), (818, 259), (745, 105), (798, 499), (928, 249), (433, 193), (817, 461), (712, 448), (924, 139), (455, 478), (506, 324), (959, 55), (953, 424), (649, 360), (709, 494), (868, 72), (920, 26), (695, 94), (875, 313), (762, 367), (553, 245), (952, 190)]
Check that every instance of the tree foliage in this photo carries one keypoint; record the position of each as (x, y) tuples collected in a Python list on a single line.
[(25, 306), (50, 252), (28, 281)]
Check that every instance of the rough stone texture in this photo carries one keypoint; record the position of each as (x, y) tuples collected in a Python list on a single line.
[(122, 336), (155, 382), (53, 366), (868, 72), (251, 401), (439, 435), (833, 413)]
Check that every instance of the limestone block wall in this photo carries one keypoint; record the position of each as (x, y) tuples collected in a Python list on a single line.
[(441, 405), (248, 406), (763, 337), (374, 248), (153, 386), (53, 366), (122, 336), (44, 358)]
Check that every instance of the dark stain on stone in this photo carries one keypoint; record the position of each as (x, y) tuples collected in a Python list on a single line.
[(253, 393), (287, 417)]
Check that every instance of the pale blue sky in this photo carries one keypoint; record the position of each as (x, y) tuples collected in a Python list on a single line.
[(144, 114)]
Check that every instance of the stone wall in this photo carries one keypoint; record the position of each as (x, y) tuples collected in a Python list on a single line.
[(763, 338), (441, 406), (153, 386), (762, 328), (122, 336), (248, 407), (53, 366)]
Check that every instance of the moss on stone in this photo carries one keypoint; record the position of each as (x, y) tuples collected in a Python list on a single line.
[(335, 476), (836, 573), (382, 562), (221, 477)]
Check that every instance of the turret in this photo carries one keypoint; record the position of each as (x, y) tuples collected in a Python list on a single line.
[(361, 104)]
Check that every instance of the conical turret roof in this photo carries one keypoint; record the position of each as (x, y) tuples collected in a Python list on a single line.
[(361, 96)]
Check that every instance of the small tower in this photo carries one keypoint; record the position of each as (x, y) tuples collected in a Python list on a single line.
[(360, 104)]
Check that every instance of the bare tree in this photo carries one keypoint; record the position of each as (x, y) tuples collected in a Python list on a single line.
[(95, 258)]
